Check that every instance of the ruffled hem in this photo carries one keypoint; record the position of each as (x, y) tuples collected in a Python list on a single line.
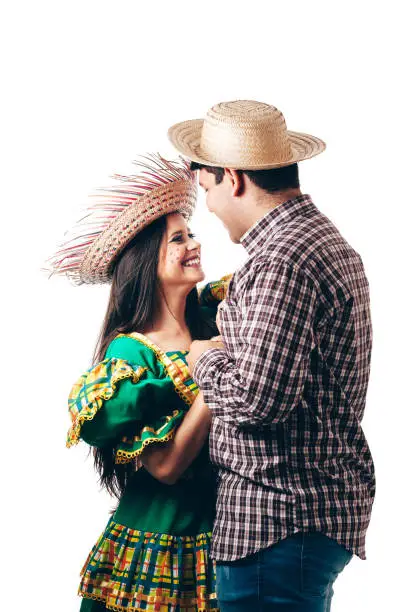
[(131, 570), (161, 431), (95, 386), (164, 606)]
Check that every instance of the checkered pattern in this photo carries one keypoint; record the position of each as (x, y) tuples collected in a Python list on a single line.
[(95, 386), (184, 376), (288, 393), (135, 570), (213, 293)]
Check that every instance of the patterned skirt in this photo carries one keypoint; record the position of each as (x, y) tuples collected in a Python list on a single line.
[(130, 570)]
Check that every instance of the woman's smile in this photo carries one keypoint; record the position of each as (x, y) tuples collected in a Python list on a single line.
[(193, 261)]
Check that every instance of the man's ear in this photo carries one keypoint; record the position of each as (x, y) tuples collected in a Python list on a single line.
[(236, 180)]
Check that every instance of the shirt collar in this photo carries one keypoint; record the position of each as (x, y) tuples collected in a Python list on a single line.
[(267, 226)]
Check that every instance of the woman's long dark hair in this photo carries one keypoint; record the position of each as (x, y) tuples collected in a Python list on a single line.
[(131, 307)]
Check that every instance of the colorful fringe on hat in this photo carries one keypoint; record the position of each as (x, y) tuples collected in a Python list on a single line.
[(119, 213)]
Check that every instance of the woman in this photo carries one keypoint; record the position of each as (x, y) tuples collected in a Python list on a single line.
[(138, 406)]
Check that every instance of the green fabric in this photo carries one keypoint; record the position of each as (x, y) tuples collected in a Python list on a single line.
[(159, 430), (89, 605), (185, 508), (134, 404)]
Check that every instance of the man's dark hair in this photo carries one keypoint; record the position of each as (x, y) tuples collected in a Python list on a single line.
[(271, 181)]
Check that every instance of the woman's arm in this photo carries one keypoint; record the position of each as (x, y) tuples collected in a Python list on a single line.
[(167, 462)]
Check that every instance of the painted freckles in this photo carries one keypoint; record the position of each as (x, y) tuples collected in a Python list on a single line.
[(179, 254), (175, 254)]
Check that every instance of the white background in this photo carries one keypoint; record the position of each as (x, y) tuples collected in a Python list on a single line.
[(86, 87)]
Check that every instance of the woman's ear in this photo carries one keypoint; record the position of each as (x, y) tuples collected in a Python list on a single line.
[(236, 180)]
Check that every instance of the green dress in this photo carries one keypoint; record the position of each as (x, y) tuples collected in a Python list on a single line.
[(154, 552)]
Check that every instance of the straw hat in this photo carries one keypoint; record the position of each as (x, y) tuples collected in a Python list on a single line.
[(161, 187), (244, 135)]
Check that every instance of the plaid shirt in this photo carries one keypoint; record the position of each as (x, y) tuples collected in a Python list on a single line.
[(288, 393)]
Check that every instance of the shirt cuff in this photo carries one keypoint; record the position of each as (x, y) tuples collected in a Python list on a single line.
[(202, 369)]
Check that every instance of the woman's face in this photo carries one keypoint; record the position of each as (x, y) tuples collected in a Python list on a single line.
[(180, 255)]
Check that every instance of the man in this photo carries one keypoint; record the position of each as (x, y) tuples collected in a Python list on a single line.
[(287, 387)]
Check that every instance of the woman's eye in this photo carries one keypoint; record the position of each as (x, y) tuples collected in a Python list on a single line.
[(180, 238)]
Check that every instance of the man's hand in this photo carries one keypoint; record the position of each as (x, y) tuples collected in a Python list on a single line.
[(197, 348), (218, 340)]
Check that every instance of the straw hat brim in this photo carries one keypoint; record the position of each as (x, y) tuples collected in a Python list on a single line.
[(186, 138), (98, 262)]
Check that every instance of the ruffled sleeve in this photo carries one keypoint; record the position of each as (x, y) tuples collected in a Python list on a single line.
[(94, 388), (126, 402), (211, 294), (160, 430)]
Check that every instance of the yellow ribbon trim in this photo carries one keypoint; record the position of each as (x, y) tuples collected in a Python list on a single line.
[(94, 406), (171, 368), (122, 456)]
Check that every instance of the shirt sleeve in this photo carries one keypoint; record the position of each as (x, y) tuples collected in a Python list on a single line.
[(260, 378)]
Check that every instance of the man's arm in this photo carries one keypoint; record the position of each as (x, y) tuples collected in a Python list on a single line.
[(265, 380)]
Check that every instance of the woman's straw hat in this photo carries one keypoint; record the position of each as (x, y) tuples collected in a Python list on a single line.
[(244, 135), (161, 187)]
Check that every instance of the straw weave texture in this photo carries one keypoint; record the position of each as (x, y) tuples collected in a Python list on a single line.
[(243, 134)]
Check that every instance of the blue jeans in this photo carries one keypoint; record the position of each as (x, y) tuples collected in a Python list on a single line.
[(294, 575)]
